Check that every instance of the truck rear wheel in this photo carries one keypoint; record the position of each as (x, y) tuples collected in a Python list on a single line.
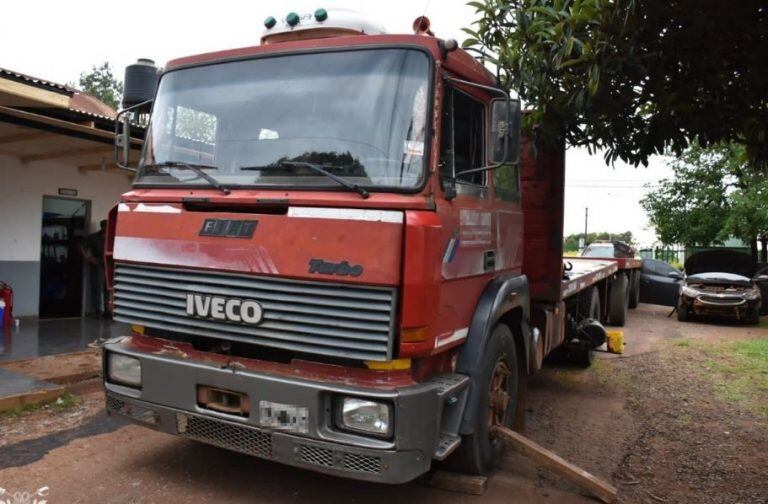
[(498, 385), (617, 311), (634, 289)]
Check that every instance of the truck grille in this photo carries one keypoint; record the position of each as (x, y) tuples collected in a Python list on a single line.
[(227, 435), (320, 318)]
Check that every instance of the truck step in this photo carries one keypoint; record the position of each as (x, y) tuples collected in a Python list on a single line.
[(450, 384), (446, 445)]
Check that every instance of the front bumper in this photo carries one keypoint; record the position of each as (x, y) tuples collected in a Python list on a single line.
[(167, 402), (725, 306)]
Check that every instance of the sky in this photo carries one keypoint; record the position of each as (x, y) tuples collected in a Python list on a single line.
[(69, 37)]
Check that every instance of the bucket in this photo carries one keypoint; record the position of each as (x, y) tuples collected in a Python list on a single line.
[(615, 341)]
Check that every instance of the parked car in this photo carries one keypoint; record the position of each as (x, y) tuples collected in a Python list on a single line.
[(720, 282), (608, 249), (659, 283)]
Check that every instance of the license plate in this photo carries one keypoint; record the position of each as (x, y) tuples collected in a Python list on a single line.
[(286, 417)]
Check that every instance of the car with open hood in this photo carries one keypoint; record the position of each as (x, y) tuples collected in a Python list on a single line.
[(720, 283)]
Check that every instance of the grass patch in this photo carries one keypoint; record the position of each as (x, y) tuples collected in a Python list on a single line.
[(738, 370), (63, 403)]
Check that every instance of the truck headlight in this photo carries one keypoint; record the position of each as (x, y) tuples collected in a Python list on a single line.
[(124, 370), (365, 416)]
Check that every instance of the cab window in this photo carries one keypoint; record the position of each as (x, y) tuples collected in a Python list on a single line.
[(462, 137)]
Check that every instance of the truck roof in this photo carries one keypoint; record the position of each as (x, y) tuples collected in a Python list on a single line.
[(459, 62)]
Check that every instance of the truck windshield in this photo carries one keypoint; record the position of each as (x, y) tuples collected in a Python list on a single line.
[(360, 115)]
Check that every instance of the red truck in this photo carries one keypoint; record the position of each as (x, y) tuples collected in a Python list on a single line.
[(333, 258)]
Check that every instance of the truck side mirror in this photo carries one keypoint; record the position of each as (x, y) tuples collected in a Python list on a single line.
[(123, 140), (505, 131)]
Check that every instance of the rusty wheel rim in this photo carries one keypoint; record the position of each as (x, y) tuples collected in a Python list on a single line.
[(498, 394)]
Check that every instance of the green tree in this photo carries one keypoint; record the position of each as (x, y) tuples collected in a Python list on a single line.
[(102, 83), (633, 77), (715, 193)]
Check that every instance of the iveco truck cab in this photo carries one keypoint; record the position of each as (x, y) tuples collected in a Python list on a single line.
[(337, 253)]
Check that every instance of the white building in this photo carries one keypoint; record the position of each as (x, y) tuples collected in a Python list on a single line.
[(57, 181)]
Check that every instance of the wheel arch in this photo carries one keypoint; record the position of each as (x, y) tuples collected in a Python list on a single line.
[(505, 299)]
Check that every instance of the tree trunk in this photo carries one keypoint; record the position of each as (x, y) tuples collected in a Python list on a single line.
[(753, 247), (764, 248)]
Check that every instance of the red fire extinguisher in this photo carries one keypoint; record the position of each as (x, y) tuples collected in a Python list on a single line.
[(6, 294)]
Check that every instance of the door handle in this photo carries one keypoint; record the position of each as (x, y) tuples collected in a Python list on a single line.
[(489, 260)]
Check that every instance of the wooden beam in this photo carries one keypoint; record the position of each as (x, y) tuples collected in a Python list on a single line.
[(455, 482), (65, 154), (599, 488), (11, 90), (24, 137)]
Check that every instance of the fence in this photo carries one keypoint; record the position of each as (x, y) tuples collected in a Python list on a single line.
[(675, 255), (664, 254)]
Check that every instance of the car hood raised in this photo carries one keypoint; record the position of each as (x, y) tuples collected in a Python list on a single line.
[(721, 261)]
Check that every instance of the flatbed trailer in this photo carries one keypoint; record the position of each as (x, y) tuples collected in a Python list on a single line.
[(580, 274), (631, 267)]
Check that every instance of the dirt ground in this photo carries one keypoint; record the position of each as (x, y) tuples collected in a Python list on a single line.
[(666, 422)]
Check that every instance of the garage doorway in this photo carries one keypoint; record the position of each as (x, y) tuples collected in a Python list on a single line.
[(64, 227)]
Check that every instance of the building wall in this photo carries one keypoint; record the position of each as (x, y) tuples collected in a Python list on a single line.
[(21, 205)]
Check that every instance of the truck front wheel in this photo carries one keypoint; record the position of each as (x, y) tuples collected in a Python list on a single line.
[(497, 384)]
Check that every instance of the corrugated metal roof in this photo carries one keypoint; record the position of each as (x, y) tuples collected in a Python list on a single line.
[(81, 103), (34, 81)]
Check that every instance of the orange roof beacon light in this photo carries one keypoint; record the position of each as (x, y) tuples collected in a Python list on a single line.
[(421, 26), (316, 25)]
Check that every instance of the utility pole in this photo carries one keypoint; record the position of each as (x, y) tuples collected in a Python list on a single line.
[(586, 218)]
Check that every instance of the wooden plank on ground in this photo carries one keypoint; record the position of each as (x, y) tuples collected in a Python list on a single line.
[(455, 482), (599, 488), (61, 369), (30, 398)]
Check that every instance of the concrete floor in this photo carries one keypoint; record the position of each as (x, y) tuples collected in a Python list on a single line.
[(36, 337)]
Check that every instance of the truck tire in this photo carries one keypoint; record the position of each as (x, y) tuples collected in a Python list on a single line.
[(499, 380), (634, 289), (682, 312), (617, 310), (589, 307)]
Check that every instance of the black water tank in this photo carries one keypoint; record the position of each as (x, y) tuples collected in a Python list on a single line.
[(140, 82)]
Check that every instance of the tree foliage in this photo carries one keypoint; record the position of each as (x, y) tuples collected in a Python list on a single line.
[(571, 241), (102, 83), (633, 77), (715, 194)]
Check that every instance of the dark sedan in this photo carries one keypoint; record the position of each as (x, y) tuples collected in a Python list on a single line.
[(720, 282)]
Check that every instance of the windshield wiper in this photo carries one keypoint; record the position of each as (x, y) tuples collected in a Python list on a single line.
[(197, 168), (319, 169)]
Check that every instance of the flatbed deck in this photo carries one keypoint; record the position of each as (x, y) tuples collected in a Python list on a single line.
[(584, 272), (623, 263)]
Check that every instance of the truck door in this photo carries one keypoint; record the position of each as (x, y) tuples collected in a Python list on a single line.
[(471, 254)]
